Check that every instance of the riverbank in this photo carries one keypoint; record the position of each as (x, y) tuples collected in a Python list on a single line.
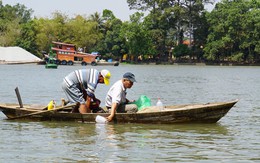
[(195, 63), (139, 63)]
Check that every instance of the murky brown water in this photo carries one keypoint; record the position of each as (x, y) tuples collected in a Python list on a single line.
[(235, 137)]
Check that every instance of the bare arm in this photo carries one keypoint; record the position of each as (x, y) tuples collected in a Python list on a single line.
[(88, 101), (113, 111)]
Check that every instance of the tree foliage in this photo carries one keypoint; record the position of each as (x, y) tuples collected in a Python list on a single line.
[(228, 33), (170, 21), (234, 31), (138, 40), (12, 19), (181, 50)]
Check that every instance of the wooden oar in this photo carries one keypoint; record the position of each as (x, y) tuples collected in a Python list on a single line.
[(41, 112)]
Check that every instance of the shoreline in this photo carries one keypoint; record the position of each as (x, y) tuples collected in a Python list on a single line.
[(193, 63), (142, 63), (19, 62)]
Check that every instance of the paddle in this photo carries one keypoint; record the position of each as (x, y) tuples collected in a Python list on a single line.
[(41, 112)]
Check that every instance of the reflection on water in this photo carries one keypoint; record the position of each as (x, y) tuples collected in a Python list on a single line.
[(109, 143), (118, 142), (235, 137)]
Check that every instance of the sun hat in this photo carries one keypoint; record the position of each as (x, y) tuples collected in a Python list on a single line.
[(129, 76), (106, 75)]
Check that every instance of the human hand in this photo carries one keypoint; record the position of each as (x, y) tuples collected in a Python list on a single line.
[(109, 118), (97, 101), (131, 101)]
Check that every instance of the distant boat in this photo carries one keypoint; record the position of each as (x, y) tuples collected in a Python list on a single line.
[(66, 54), (51, 63), (106, 63)]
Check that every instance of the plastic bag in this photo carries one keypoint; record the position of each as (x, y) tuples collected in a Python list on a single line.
[(143, 101)]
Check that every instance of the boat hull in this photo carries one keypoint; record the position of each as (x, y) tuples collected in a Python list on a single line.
[(51, 66), (192, 113), (115, 63)]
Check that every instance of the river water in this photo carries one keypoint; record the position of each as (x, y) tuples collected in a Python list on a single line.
[(236, 137)]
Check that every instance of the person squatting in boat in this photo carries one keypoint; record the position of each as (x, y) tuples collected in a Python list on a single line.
[(116, 100), (79, 87)]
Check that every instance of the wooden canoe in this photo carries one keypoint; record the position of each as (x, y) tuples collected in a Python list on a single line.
[(190, 113)]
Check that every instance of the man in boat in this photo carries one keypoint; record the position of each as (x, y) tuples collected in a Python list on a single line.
[(116, 100), (79, 87)]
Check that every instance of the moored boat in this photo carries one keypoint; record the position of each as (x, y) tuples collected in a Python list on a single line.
[(67, 54), (190, 113), (105, 63), (51, 63)]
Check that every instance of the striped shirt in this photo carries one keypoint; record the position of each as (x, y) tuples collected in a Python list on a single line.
[(87, 77)]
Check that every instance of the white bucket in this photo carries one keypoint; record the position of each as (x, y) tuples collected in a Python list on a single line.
[(100, 119)]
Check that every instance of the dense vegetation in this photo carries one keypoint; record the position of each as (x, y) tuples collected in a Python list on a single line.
[(182, 29)]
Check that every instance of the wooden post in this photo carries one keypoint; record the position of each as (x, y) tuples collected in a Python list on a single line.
[(19, 97)]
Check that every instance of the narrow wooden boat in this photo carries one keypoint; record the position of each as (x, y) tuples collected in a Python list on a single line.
[(190, 113), (105, 63)]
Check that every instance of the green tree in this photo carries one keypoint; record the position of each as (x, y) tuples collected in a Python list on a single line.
[(96, 17), (234, 31), (45, 33), (27, 40), (137, 38), (170, 20), (181, 51), (83, 33), (12, 19), (113, 41), (50, 29), (200, 35), (99, 46), (112, 46), (10, 31), (250, 43)]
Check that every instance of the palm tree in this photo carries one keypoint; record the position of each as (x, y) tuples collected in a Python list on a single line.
[(96, 18)]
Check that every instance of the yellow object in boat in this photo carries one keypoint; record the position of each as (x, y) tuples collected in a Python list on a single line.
[(51, 105)]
